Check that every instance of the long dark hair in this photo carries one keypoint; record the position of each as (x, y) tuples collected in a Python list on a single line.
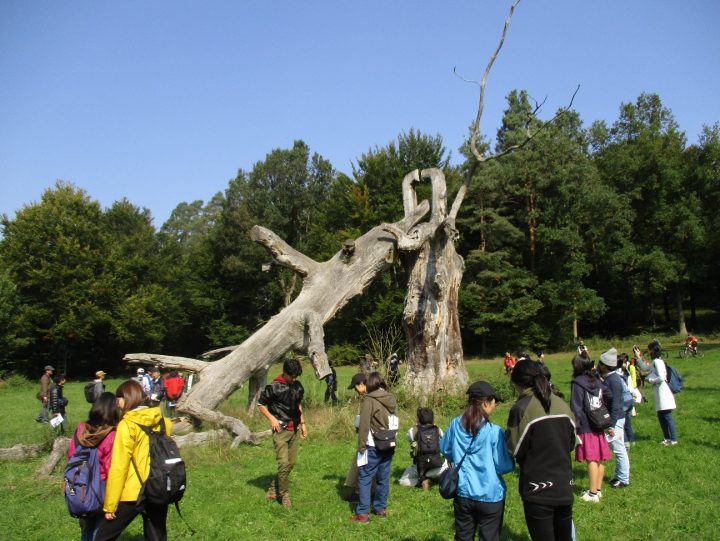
[(529, 374), (104, 411), (582, 365), (374, 382), (473, 417), (132, 392)]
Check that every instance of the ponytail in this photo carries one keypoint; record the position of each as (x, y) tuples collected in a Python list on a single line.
[(529, 374)]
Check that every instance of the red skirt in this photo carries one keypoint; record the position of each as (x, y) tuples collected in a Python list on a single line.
[(594, 448)]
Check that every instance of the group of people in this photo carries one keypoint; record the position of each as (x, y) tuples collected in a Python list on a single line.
[(158, 387), (115, 427), (541, 434)]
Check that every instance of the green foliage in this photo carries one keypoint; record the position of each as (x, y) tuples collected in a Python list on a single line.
[(343, 354)]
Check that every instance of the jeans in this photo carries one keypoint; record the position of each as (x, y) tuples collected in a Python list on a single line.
[(286, 443), (549, 523), (378, 468), (667, 423), (484, 517), (629, 432), (622, 460), (89, 526)]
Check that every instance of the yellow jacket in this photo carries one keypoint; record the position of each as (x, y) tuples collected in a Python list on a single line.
[(123, 484)]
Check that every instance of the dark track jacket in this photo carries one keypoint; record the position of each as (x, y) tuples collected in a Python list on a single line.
[(578, 387), (283, 400), (541, 444)]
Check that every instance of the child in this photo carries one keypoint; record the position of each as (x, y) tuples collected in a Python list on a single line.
[(480, 500), (424, 440)]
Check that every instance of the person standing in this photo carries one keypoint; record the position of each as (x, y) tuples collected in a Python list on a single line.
[(593, 447), (664, 398), (615, 403), (377, 414), (331, 390), (157, 386), (541, 436), (98, 431), (57, 401), (99, 386), (480, 501), (281, 404), (130, 467), (43, 395)]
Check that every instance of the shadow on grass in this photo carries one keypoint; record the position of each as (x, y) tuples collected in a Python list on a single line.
[(707, 444), (263, 482), (343, 492)]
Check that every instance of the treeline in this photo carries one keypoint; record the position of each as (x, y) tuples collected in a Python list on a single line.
[(601, 230)]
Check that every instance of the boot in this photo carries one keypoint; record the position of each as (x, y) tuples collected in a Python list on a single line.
[(271, 495), (286, 500)]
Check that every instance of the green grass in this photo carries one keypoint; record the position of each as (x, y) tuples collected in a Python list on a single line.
[(672, 494)]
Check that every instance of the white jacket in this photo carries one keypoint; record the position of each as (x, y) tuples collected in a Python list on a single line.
[(664, 398)]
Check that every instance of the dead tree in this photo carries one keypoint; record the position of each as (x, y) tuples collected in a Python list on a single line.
[(326, 288)]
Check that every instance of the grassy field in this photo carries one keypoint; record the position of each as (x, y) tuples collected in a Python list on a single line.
[(671, 494)]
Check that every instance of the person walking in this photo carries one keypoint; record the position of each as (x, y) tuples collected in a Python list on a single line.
[(98, 431), (541, 436), (281, 404), (593, 447), (130, 468), (331, 389), (377, 414), (479, 505), (57, 402), (664, 398), (157, 386), (43, 395)]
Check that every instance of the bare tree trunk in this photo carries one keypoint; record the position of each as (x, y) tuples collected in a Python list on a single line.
[(59, 451), (430, 317), (257, 384), (326, 288), (682, 328), (21, 451)]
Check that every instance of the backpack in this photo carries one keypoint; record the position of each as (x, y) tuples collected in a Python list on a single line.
[(166, 482), (90, 392), (174, 387), (428, 448), (628, 401), (596, 412), (84, 489), (674, 380)]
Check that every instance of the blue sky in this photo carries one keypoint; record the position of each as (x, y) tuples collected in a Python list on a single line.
[(163, 101)]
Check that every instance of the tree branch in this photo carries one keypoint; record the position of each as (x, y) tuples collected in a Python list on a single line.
[(166, 361), (315, 347), (282, 253)]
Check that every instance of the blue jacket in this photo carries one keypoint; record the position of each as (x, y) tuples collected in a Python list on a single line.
[(480, 475)]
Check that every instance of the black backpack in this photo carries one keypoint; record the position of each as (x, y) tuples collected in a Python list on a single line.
[(428, 448), (166, 482), (90, 392), (596, 412)]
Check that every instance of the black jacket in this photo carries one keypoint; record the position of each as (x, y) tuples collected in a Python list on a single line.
[(578, 387), (56, 400), (283, 400)]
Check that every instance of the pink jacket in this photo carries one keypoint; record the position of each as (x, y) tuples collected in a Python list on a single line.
[(104, 451)]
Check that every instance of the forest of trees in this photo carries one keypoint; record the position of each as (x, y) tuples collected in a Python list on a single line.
[(599, 230)]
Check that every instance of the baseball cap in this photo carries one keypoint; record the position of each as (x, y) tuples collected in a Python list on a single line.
[(357, 379), (483, 388)]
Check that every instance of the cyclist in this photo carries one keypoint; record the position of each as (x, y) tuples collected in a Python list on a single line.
[(692, 343)]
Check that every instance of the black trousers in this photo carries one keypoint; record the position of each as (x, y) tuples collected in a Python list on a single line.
[(548, 523), (154, 522), (484, 517)]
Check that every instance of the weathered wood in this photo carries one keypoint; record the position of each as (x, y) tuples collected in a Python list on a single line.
[(166, 361), (58, 453), (327, 287), (21, 451), (199, 438)]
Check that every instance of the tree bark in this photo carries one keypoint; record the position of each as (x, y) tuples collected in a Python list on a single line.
[(21, 451), (430, 317), (326, 288), (59, 452)]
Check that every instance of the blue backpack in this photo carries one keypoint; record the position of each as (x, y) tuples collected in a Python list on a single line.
[(674, 380), (84, 489)]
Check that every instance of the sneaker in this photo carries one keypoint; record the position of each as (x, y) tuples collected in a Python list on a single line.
[(673, 443), (618, 484), (271, 495), (362, 519), (587, 497), (665, 442), (599, 493), (382, 513), (286, 500)]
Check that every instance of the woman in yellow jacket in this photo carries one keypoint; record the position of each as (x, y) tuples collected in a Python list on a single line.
[(123, 484)]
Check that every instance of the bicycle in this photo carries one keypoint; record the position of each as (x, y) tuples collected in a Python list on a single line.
[(687, 351)]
